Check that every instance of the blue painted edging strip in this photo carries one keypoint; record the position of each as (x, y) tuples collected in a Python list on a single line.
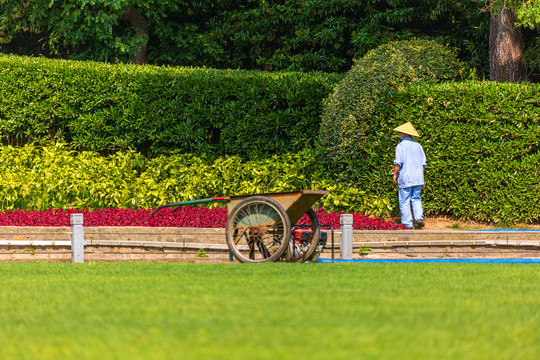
[(480, 261), (505, 230)]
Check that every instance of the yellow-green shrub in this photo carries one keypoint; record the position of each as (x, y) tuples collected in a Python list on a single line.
[(56, 177)]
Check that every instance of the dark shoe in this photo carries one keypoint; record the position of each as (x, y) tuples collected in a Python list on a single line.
[(420, 224)]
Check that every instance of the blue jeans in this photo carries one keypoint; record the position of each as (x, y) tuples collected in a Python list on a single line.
[(408, 197)]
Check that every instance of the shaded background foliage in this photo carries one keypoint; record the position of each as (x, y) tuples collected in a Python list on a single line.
[(299, 35)]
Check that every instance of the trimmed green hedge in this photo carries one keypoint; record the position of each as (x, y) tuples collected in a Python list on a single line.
[(154, 110), (482, 145)]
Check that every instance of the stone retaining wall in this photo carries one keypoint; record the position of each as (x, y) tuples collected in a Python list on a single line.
[(183, 244), (217, 236), (109, 254)]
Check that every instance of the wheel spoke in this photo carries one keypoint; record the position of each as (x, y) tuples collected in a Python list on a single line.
[(251, 244), (263, 249), (238, 237), (272, 235), (259, 210)]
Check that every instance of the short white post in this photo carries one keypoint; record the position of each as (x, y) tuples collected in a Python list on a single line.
[(345, 244), (77, 238)]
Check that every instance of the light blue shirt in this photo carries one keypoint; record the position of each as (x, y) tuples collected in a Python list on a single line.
[(411, 160)]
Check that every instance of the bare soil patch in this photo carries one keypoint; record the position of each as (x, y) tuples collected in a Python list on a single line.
[(449, 223)]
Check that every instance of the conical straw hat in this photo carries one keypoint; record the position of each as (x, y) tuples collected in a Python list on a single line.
[(407, 128)]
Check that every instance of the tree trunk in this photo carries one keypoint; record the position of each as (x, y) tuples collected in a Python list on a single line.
[(138, 23), (505, 48)]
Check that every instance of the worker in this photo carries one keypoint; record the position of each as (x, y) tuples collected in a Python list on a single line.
[(409, 164)]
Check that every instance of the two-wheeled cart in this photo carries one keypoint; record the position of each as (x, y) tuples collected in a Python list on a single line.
[(261, 227)]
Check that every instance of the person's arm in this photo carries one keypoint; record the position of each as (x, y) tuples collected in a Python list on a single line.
[(396, 170), (424, 161)]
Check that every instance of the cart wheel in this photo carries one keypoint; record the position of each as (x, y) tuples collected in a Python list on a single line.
[(258, 230), (301, 248)]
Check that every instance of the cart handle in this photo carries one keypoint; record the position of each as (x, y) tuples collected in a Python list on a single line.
[(176, 206)]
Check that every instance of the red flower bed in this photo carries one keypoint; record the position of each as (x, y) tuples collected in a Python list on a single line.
[(197, 217), (360, 222)]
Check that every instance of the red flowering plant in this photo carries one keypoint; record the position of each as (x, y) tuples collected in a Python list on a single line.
[(195, 217), (360, 221)]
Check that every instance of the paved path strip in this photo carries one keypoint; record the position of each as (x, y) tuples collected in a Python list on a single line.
[(179, 244), (215, 238)]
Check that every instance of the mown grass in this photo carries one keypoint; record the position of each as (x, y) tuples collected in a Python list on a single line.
[(273, 311)]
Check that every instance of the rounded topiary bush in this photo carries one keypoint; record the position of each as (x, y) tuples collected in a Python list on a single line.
[(349, 120)]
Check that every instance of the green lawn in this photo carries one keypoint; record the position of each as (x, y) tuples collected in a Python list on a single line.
[(270, 311)]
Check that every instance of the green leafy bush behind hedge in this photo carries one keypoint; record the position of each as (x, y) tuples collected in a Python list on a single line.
[(297, 35), (316, 35), (53, 176), (482, 145), (154, 110)]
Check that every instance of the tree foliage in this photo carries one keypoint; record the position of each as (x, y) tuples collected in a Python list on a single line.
[(527, 11), (100, 30), (514, 45), (295, 35)]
